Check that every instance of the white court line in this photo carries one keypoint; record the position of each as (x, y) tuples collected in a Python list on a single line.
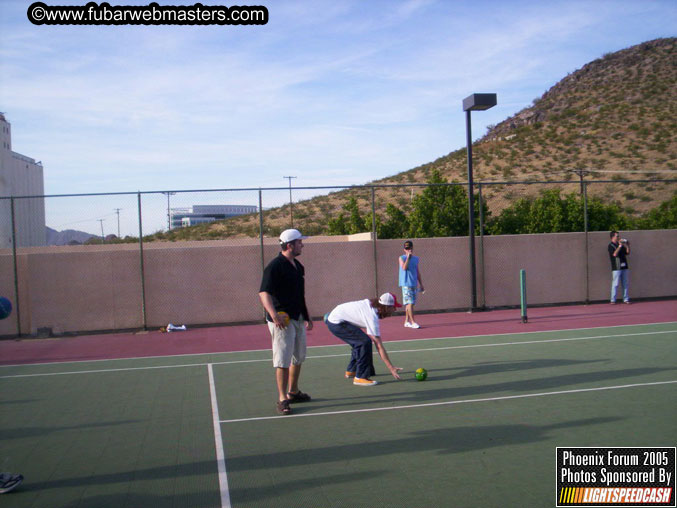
[(465, 346), (218, 441), (332, 345), (447, 403)]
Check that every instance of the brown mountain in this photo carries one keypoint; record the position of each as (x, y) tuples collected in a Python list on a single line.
[(613, 119)]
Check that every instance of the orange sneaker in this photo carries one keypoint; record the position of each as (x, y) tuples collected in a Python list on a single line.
[(349, 374), (364, 382)]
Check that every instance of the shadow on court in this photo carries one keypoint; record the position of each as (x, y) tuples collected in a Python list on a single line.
[(431, 395), (195, 500), (442, 440), (154, 473), (487, 368), (205, 498), (24, 432)]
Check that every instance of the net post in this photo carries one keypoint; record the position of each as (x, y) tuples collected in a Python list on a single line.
[(523, 294)]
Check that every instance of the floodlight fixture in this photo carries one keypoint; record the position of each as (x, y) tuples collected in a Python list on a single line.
[(479, 102), (474, 102)]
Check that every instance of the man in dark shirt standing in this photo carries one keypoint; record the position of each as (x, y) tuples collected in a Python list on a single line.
[(618, 250), (283, 291)]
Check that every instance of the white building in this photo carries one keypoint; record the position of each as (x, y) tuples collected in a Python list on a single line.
[(199, 214), (20, 176)]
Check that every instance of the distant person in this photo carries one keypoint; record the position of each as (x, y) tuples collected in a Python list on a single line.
[(409, 281), (283, 290), (9, 481), (346, 322), (619, 249)]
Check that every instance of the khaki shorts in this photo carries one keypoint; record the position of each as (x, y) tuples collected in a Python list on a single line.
[(289, 344)]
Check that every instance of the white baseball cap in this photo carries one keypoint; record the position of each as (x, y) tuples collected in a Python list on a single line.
[(389, 299), (289, 235)]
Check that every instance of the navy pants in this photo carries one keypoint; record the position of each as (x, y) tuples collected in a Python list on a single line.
[(361, 359)]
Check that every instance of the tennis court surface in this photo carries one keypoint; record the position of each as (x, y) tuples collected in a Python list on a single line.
[(188, 419)]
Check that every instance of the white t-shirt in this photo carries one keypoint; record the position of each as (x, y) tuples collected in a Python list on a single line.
[(360, 314)]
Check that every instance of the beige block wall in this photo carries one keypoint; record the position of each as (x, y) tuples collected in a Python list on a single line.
[(554, 265), (98, 287), (97, 290)]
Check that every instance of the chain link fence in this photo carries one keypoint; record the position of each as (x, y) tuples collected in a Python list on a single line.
[(129, 261)]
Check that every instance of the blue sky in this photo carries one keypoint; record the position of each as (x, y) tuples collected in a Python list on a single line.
[(334, 92)]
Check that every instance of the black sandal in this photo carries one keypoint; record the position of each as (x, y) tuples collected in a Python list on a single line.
[(298, 396), (283, 407)]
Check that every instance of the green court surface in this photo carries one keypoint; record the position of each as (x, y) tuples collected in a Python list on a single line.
[(202, 431)]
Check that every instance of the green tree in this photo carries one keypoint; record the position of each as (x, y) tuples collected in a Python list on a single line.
[(352, 224), (605, 216), (553, 213), (356, 223), (664, 216), (396, 224), (337, 226), (440, 210)]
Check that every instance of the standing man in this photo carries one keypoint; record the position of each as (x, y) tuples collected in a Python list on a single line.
[(410, 279), (618, 250), (283, 291)]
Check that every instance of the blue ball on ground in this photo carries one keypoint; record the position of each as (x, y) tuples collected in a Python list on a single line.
[(5, 307), (326, 318)]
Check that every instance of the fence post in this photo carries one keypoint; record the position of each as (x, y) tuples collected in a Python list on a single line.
[(263, 261), (584, 185), (481, 253), (142, 270), (16, 271), (373, 238)]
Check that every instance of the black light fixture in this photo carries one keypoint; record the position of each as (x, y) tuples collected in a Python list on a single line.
[(474, 102)]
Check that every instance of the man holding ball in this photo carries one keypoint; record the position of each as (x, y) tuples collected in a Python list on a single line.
[(282, 294)]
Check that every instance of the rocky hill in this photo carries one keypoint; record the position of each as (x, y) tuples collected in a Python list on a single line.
[(613, 119), (66, 237)]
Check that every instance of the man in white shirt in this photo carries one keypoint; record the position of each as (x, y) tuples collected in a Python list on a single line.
[(346, 322)]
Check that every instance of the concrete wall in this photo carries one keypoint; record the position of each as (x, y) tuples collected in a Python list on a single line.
[(87, 288)]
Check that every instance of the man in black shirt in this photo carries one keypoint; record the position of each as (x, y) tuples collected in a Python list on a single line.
[(282, 294), (618, 250)]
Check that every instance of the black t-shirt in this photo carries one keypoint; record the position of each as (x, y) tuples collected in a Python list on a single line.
[(618, 262), (286, 285)]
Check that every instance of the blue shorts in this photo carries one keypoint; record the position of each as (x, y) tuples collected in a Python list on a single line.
[(408, 295)]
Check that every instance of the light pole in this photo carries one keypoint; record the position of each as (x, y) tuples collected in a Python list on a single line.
[(474, 102), (291, 206), (169, 216)]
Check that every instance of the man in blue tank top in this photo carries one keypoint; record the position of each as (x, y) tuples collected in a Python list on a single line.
[(410, 280)]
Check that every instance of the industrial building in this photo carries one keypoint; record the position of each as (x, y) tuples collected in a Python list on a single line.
[(20, 176)]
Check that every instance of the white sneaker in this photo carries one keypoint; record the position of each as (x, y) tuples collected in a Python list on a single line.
[(9, 481), (407, 324), (414, 325)]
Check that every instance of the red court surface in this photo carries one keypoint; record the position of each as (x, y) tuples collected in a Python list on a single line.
[(254, 337)]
